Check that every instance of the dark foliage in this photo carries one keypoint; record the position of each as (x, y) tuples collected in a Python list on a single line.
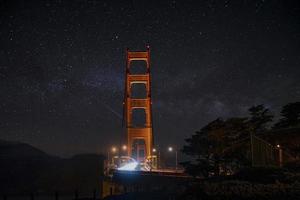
[(259, 118), (225, 145), (290, 116)]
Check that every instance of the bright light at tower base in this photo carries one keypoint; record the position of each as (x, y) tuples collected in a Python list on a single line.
[(129, 166)]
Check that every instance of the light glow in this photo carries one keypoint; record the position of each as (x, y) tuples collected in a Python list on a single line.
[(129, 166), (113, 149)]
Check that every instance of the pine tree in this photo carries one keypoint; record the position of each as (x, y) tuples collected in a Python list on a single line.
[(290, 116), (259, 119)]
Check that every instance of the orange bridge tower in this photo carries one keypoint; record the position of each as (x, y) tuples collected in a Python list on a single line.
[(139, 135)]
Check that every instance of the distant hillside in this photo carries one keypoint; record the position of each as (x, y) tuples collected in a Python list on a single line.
[(25, 168), (11, 150)]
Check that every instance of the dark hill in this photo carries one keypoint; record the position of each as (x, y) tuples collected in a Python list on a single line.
[(25, 169), (16, 150)]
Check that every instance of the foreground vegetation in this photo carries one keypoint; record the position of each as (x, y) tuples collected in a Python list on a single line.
[(222, 147), (250, 183), (222, 153)]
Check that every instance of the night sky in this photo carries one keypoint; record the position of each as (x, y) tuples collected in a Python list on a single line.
[(62, 66)]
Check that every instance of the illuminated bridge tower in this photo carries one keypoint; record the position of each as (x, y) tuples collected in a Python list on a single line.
[(139, 136)]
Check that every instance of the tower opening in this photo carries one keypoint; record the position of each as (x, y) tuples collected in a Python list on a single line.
[(138, 67), (138, 117), (138, 91), (138, 149)]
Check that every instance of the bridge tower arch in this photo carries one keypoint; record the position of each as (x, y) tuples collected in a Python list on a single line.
[(139, 137)]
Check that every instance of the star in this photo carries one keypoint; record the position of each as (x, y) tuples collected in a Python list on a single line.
[(65, 64)]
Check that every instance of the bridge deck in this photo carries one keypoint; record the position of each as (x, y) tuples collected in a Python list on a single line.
[(146, 177)]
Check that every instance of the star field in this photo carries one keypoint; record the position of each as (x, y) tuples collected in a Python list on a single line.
[(62, 66)]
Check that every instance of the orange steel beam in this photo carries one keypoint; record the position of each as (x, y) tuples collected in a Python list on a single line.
[(144, 132)]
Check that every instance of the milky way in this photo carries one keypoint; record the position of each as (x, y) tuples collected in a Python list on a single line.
[(62, 66)]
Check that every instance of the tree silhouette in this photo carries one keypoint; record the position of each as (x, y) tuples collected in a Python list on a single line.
[(290, 116), (225, 144), (259, 119), (220, 142), (208, 147), (202, 148)]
